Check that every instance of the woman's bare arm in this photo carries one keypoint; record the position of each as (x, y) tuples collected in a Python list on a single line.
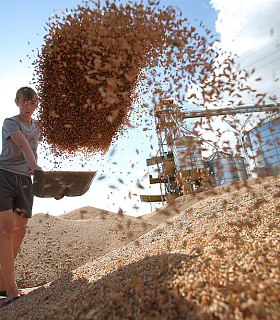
[(26, 150)]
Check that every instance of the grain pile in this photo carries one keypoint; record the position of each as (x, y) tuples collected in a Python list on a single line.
[(96, 61), (218, 259), (63, 243)]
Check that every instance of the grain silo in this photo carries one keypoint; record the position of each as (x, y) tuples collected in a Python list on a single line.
[(223, 168), (187, 153), (265, 145)]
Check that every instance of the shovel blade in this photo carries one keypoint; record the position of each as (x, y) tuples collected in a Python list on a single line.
[(58, 184)]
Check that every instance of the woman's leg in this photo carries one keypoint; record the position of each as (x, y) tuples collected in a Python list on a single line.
[(10, 225), (20, 231)]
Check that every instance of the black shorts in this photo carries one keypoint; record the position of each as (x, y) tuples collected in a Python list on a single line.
[(16, 193)]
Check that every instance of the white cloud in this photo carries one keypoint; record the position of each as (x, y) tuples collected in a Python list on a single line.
[(251, 29), (253, 20)]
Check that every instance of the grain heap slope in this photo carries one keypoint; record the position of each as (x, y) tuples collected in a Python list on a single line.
[(218, 259), (55, 245)]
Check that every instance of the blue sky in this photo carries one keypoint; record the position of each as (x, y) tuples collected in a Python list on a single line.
[(241, 30)]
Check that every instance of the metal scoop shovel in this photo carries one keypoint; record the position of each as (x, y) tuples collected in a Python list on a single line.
[(57, 184)]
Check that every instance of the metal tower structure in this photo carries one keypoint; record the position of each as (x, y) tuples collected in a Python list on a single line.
[(164, 159)]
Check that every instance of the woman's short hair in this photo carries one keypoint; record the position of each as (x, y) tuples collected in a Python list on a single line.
[(26, 92)]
